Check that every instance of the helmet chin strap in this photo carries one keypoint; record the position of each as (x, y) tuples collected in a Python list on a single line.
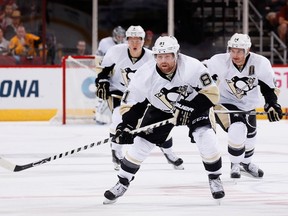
[(247, 52)]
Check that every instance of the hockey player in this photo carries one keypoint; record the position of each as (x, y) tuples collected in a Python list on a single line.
[(174, 81), (103, 113), (118, 37), (119, 65), (238, 73)]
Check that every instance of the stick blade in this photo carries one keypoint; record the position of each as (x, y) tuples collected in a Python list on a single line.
[(7, 165)]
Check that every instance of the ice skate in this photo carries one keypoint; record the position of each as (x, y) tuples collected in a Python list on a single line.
[(252, 169), (216, 186), (235, 171), (176, 162), (116, 159), (115, 192)]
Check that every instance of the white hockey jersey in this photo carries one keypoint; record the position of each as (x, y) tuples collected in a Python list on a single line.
[(104, 45), (240, 88), (190, 77), (125, 67)]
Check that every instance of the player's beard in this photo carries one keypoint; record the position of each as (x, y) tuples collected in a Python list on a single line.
[(167, 68)]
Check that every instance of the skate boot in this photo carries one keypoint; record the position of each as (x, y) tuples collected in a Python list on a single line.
[(216, 186), (118, 190), (252, 169), (116, 159), (176, 162), (235, 170)]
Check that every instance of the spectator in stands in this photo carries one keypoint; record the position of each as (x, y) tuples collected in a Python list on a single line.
[(272, 9), (3, 3), (58, 53), (81, 48), (4, 44), (10, 30), (283, 22), (6, 17), (24, 44), (148, 43), (51, 48), (34, 11)]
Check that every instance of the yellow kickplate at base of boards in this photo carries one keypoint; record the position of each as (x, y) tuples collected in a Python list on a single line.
[(27, 114)]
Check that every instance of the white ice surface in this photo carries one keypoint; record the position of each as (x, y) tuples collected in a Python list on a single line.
[(74, 185)]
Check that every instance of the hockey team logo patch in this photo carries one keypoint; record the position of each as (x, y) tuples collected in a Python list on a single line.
[(240, 86), (127, 74), (170, 96)]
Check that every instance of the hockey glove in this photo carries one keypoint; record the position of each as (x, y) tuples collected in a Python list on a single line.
[(274, 111), (102, 90), (123, 134), (183, 112)]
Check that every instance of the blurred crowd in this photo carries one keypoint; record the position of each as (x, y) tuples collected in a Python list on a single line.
[(15, 42), (21, 35), (275, 13)]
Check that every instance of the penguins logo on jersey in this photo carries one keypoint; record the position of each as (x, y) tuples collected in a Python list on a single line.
[(240, 86), (169, 97), (127, 74)]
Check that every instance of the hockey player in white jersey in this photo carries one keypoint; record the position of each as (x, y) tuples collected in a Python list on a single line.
[(174, 85), (103, 113), (118, 37), (238, 73), (119, 65)]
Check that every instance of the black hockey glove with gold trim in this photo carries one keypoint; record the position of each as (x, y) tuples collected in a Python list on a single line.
[(274, 111), (102, 88), (183, 112), (123, 134)]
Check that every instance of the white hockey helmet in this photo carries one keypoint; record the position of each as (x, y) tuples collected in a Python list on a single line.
[(135, 31), (118, 34), (241, 41), (166, 44)]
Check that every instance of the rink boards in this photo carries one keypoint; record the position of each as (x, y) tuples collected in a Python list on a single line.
[(36, 93)]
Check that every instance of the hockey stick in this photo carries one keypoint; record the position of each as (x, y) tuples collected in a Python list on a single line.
[(16, 168), (243, 112)]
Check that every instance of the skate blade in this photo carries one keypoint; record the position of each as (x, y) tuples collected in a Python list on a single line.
[(108, 202), (116, 167), (180, 167), (235, 180), (248, 174), (218, 201)]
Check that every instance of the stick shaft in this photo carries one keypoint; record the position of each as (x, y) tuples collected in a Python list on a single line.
[(244, 112), (16, 168)]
